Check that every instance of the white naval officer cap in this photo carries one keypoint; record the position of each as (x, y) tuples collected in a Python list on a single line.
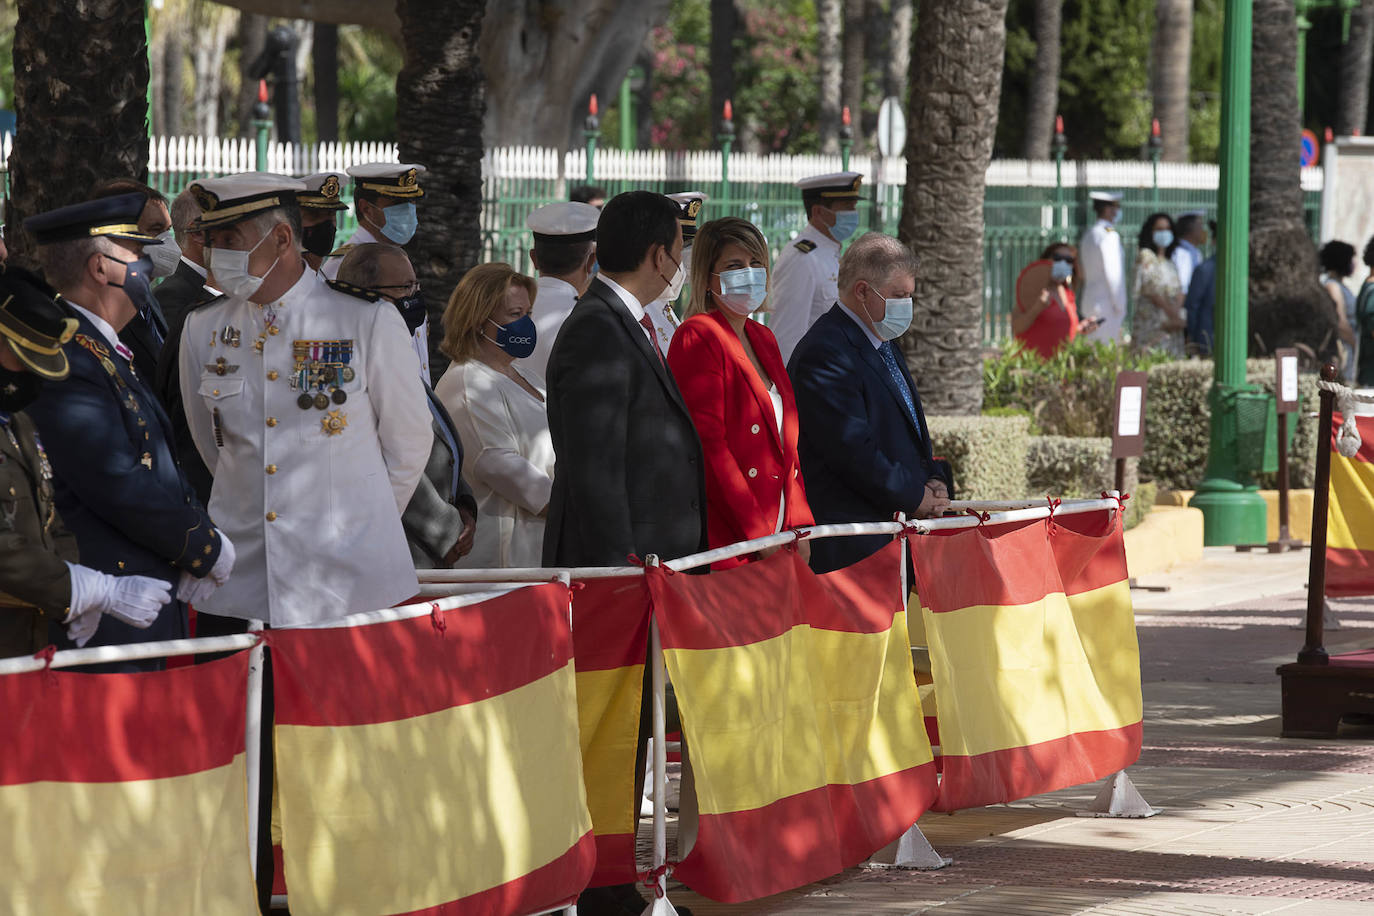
[(835, 185), (233, 198), (321, 192), (564, 221), (389, 179), (689, 204), (1105, 197)]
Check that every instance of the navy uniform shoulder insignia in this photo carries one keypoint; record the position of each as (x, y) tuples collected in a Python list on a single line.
[(805, 246), (367, 295), (340, 251)]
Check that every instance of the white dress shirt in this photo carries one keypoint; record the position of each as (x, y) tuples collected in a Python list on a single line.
[(633, 304)]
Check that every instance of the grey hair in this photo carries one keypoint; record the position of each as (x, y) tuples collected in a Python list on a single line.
[(184, 212), (875, 258), (64, 263), (362, 266), (290, 214)]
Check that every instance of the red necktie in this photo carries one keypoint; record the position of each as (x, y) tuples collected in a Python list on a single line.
[(653, 335)]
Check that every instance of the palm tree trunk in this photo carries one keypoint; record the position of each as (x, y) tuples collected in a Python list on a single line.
[(441, 93), (852, 81), (1353, 111), (1043, 103), (829, 71), (1173, 50), (724, 21), (956, 84), (1287, 305), (81, 105)]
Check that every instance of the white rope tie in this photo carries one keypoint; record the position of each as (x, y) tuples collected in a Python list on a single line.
[(1348, 439)]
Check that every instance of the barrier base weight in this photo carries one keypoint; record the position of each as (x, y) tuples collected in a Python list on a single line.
[(1119, 798), (910, 850)]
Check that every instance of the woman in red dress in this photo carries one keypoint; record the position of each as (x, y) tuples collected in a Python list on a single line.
[(732, 376), (1045, 318)]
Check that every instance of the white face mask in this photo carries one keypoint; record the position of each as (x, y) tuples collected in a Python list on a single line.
[(674, 287), (166, 256), (230, 268)]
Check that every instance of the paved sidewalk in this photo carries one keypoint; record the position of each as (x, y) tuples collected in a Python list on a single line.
[(1252, 823)]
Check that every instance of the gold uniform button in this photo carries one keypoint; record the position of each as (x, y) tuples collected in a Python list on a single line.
[(215, 392), (272, 376), (274, 330), (271, 516), (271, 421), (271, 469)]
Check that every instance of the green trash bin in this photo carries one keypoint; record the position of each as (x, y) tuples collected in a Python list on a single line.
[(1257, 424)]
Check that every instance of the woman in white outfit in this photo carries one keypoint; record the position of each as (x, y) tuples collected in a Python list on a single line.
[(498, 410)]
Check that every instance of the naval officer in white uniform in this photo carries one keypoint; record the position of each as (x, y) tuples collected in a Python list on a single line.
[(1103, 262), (291, 392), (805, 274), (665, 319), (564, 253), (384, 200)]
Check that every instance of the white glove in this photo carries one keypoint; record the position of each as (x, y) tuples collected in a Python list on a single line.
[(224, 564), (192, 590), (136, 600)]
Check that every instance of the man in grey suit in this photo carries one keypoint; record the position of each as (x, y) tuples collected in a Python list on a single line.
[(441, 518)]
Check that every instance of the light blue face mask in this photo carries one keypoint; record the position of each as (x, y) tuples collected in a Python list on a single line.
[(742, 290), (401, 222), (896, 317), (1163, 238), (1061, 270), (846, 221)]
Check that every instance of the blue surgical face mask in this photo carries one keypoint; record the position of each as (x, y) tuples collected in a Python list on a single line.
[(743, 290), (846, 221), (516, 338), (1163, 238), (1061, 271), (401, 222), (896, 317)]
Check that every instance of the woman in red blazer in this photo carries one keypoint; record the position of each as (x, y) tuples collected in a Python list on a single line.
[(732, 377)]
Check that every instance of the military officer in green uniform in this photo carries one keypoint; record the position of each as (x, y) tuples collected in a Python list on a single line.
[(40, 583)]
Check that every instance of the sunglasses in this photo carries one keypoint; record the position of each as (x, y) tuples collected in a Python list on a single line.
[(1066, 258)]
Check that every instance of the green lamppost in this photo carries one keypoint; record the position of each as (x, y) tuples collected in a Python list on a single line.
[(726, 139), (846, 139), (262, 125), (591, 130), (1156, 150), (1232, 508), (1058, 147)]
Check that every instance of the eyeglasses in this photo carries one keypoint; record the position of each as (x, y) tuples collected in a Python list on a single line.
[(410, 288)]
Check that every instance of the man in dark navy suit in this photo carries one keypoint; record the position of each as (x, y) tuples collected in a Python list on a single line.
[(864, 444), (119, 487)]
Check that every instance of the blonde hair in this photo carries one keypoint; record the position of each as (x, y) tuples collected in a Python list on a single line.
[(474, 300), (706, 248)]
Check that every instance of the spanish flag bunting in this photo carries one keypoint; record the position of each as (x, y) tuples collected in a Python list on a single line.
[(1350, 516), (611, 642), (1033, 656), (125, 794), (801, 717), (431, 765)]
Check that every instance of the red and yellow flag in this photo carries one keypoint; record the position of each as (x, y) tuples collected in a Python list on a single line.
[(1033, 654), (125, 793), (611, 641), (1350, 516), (801, 717), (431, 765)]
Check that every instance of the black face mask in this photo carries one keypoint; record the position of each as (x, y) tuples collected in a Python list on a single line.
[(412, 309), (137, 282), (18, 389), (319, 238)]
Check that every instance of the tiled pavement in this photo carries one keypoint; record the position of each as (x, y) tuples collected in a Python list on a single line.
[(1252, 823)]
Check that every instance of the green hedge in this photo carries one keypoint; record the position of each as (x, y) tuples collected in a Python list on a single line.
[(988, 454), (1081, 466)]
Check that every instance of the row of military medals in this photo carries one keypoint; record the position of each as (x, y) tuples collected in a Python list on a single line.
[(321, 366)]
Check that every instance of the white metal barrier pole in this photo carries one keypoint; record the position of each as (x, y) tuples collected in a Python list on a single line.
[(252, 743), (659, 906)]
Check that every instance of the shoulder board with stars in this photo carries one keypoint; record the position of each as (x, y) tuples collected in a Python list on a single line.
[(367, 295), (340, 251), (805, 246)]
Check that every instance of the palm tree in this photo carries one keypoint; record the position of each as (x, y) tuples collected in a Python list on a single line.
[(1043, 100), (1287, 305), (956, 83), (1353, 110), (81, 104), (440, 92), (1172, 55)]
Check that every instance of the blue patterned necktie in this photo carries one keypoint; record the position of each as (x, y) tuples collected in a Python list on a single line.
[(890, 359)]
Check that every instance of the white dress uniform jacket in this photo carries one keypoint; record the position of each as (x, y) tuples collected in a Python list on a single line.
[(508, 459), (315, 517), (1104, 280), (665, 321), (805, 286), (330, 268), (553, 301)]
